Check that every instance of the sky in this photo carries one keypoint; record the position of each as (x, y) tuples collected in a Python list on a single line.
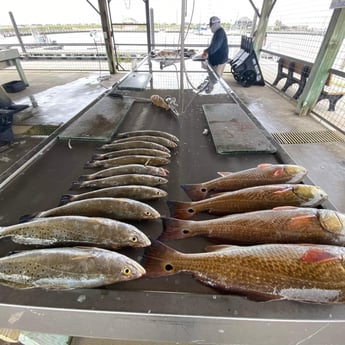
[(165, 11)]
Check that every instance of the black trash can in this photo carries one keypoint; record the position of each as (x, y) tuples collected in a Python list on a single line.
[(14, 86)]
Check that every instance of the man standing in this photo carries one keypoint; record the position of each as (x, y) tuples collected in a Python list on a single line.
[(217, 52)]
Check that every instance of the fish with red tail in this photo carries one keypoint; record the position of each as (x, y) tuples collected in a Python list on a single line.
[(263, 174), (305, 273), (280, 225), (251, 199)]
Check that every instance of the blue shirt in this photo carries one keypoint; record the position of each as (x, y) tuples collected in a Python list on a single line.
[(218, 50)]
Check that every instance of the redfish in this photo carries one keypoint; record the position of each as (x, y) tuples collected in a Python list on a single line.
[(306, 273), (251, 199), (67, 268), (99, 232), (263, 174), (280, 225), (114, 208)]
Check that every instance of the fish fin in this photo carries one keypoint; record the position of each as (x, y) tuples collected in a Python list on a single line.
[(220, 248), (305, 219), (195, 191), (158, 260), (27, 217), (175, 229), (314, 255), (180, 209), (278, 172), (165, 172), (224, 173), (283, 190), (65, 199), (264, 165), (76, 185), (84, 178), (284, 208)]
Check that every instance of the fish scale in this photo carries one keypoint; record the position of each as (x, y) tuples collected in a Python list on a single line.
[(310, 273)]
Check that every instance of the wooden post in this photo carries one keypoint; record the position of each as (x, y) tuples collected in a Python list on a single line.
[(258, 42), (324, 61)]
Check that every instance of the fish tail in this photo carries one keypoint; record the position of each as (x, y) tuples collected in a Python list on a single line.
[(84, 178), (76, 185), (158, 260), (65, 199), (89, 164), (174, 229), (27, 217), (195, 191), (181, 210), (97, 156)]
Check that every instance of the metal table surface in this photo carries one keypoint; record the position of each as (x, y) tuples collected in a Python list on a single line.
[(175, 308)]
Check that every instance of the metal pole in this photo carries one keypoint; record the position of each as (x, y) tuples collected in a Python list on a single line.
[(183, 13), (103, 10), (152, 28), (17, 32)]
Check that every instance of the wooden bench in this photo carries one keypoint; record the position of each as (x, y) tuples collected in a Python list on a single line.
[(297, 73)]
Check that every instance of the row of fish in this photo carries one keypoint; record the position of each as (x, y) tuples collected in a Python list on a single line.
[(268, 216), (96, 219)]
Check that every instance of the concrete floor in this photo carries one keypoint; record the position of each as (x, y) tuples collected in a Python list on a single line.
[(62, 95)]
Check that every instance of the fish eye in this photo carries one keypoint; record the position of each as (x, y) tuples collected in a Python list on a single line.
[(185, 232), (148, 213), (190, 210), (134, 239), (168, 267), (126, 271), (203, 190)]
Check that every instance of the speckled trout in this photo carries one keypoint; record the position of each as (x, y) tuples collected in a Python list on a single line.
[(128, 152), (114, 208), (136, 192), (251, 199), (67, 268), (126, 169), (131, 159), (308, 273), (263, 174), (155, 139), (151, 132), (280, 225), (134, 145), (99, 232), (121, 180)]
